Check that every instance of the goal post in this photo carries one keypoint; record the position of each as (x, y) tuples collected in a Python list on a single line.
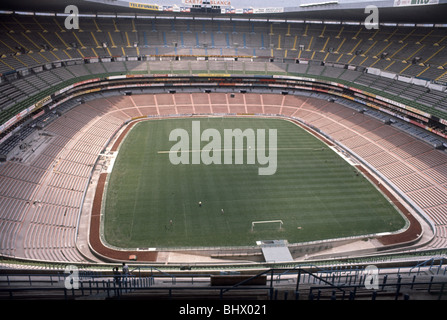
[(253, 223)]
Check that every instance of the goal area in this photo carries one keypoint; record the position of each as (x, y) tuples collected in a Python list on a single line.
[(271, 222)]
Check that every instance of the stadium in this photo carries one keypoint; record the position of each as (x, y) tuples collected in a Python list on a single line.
[(223, 150)]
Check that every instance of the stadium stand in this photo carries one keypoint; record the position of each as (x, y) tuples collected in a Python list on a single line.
[(52, 139), (77, 138), (35, 41)]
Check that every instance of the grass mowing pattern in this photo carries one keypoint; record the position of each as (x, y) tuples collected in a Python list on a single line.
[(315, 192)]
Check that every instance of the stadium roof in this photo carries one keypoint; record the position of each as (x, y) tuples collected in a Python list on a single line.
[(396, 11)]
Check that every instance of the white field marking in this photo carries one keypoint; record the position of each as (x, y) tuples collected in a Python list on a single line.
[(218, 150)]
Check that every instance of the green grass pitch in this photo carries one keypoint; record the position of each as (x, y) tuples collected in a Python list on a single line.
[(315, 192)]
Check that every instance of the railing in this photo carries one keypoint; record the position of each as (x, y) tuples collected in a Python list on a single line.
[(293, 283)]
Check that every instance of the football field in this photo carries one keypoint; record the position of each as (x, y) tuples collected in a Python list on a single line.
[(152, 202)]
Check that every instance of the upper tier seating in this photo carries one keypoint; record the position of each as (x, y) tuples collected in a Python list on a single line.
[(413, 51)]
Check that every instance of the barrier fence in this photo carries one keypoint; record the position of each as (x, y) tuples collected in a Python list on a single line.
[(427, 279)]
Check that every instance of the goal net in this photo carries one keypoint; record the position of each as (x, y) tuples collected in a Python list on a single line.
[(274, 223)]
